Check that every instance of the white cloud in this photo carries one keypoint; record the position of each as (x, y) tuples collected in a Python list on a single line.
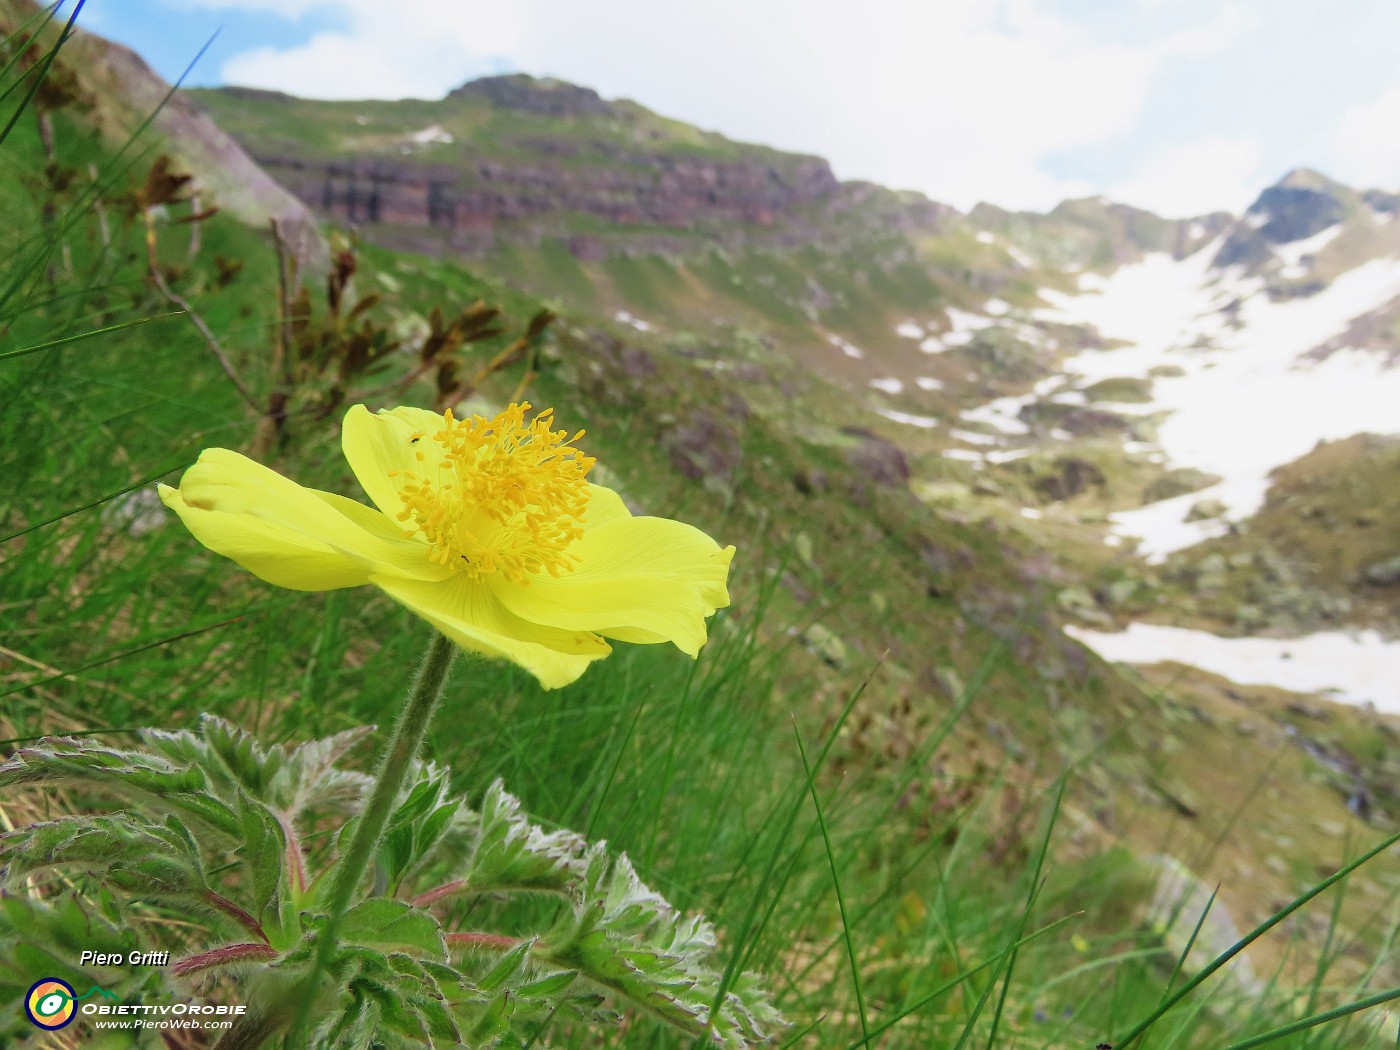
[(1192, 178), (415, 48), (1226, 28), (962, 99), (1367, 144)]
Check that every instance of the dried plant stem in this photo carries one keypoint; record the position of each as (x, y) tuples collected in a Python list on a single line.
[(153, 265), (272, 422)]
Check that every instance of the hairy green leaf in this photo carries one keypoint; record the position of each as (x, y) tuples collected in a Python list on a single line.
[(384, 923)]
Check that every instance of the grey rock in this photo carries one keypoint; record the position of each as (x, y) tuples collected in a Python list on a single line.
[(1205, 509), (1178, 482), (1384, 573)]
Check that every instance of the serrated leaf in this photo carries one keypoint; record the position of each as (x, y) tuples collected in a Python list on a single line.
[(151, 780), (547, 987), (509, 965), (391, 999), (385, 923), (309, 776), (420, 821), (264, 847), (627, 938), (514, 854)]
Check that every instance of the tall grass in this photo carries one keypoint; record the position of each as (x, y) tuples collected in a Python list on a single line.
[(975, 923)]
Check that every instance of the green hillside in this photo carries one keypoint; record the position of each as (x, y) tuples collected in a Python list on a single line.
[(921, 813)]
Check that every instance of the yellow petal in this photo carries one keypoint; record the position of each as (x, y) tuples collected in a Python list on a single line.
[(604, 505), (379, 444), (285, 534), (638, 579), (469, 614)]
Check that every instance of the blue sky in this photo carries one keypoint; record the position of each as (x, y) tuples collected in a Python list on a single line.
[(1181, 106)]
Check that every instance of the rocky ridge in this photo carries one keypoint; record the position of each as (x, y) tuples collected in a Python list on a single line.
[(618, 169)]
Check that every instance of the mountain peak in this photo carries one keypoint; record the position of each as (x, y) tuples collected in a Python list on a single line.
[(1308, 179), (543, 95)]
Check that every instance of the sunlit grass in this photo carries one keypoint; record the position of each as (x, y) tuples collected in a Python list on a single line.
[(976, 921)]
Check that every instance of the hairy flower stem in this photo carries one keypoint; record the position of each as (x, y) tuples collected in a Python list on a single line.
[(248, 1032), (393, 770), (388, 782)]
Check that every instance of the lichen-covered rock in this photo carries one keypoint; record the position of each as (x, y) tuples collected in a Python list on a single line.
[(1067, 477), (1206, 509), (706, 447), (877, 460), (1383, 573), (1178, 482)]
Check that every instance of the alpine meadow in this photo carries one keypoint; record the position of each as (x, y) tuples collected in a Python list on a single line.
[(518, 570)]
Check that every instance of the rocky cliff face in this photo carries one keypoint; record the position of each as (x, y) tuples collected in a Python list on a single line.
[(614, 169), (470, 205)]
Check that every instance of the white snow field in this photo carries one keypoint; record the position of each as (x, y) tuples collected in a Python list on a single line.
[(1355, 669), (1248, 400)]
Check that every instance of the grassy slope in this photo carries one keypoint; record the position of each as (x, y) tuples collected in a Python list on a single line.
[(934, 827)]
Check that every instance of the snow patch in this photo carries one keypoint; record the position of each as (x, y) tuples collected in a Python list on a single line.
[(971, 437), (849, 349), (1007, 455), (432, 133), (889, 386), (624, 317), (962, 326), (996, 307), (1019, 256), (928, 383), (909, 330), (1003, 414), (923, 422), (1248, 399), (1355, 669), (1292, 253), (985, 237)]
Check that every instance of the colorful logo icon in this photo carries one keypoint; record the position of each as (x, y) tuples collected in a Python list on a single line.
[(49, 1003)]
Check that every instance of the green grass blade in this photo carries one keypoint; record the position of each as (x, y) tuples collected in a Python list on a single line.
[(52, 343), (97, 502), (1304, 1023), (752, 926), (43, 18), (42, 71), (840, 895), (953, 982), (1244, 942)]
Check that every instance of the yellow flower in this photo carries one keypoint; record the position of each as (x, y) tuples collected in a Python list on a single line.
[(488, 529)]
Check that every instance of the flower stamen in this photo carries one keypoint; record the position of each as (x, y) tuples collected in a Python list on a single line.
[(507, 496)]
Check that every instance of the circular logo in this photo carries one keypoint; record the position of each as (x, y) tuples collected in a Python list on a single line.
[(49, 1003)]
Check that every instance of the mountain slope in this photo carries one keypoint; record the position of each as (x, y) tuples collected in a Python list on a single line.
[(870, 392)]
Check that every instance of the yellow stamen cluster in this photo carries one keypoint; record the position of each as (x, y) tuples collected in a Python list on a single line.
[(498, 495)]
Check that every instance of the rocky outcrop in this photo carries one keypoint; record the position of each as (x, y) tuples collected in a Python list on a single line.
[(646, 191), (127, 93), (470, 204), (1300, 205), (544, 95), (476, 198)]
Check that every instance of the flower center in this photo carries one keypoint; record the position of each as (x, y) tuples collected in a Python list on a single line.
[(498, 495)]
